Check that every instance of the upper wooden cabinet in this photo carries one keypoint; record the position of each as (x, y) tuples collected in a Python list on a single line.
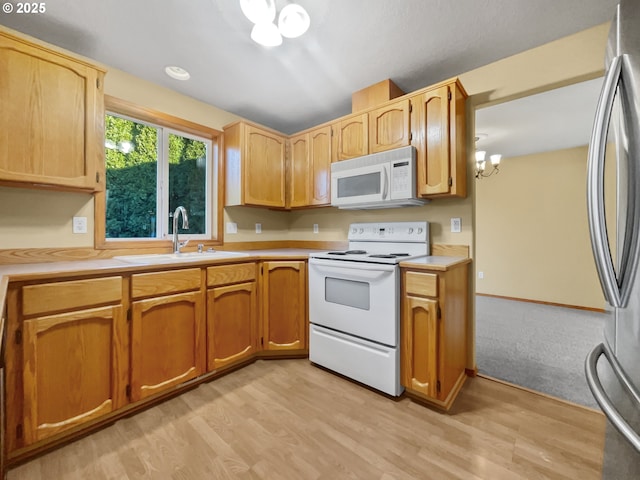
[(52, 117), (67, 363), (351, 137), (299, 171), (320, 157), (310, 157), (389, 127), (438, 118), (254, 166)]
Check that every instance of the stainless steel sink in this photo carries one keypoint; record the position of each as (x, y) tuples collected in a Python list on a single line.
[(177, 257)]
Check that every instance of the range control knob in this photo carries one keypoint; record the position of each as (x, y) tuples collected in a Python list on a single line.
[(354, 230), (410, 230), (361, 230), (419, 230)]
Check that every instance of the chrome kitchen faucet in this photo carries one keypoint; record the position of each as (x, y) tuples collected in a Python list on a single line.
[(177, 245)]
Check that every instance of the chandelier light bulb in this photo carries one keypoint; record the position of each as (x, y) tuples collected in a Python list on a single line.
[(293, 21), (495, 159), (259, 11), (266, 34)]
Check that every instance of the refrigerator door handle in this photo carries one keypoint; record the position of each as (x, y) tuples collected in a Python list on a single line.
[(614, 416), (595, 185)]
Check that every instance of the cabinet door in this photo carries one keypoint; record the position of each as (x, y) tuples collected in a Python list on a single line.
[(353, 137), (284, 304), (231, 324), (389, 127), (264, 168), (320, 166), (299, 181), (75, 369), (433, 155), (51, 119), (167, 342), (419, 346)]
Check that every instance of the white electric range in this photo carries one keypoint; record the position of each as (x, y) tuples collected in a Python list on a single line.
[(354, 304)]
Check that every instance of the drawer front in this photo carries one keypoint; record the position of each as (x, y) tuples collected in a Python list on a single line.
[(59, 296), (228, 274), (422, 284), (160, 283)]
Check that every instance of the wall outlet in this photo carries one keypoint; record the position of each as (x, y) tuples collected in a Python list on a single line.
[(315, 228), (232, 227), (480, 275), (456, 225), (258, 228), (79, 224)]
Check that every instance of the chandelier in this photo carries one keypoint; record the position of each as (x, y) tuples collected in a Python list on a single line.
[(293, 21), (481, 164)]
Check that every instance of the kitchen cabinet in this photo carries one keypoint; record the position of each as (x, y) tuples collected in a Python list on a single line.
[(389, 127), (351, 137), (254, 166), (438, 117), (310, 168), (52, 117), (284, 306), (433, 333), (232, 314), (67, 361), (168, 345), (299, 171)]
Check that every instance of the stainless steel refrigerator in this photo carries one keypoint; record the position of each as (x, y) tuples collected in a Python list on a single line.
[(613, 367)]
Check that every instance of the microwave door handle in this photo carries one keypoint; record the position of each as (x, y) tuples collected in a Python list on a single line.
[(595, 186), (385, 182), (607, 406)]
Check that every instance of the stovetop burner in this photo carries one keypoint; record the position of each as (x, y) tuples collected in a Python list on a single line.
[(348, 252)]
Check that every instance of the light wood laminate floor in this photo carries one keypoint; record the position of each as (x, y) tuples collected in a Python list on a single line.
[(286, 419)]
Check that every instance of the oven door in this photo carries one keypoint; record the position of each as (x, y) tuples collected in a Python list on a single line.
[(356, 298), (360, 185)]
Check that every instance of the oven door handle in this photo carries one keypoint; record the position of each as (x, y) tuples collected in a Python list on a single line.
[(353, 270)]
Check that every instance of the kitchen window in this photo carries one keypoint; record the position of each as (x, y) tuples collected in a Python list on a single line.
[(153, 164)]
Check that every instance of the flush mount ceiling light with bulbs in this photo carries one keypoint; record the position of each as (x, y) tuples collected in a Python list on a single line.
[(293, 21)]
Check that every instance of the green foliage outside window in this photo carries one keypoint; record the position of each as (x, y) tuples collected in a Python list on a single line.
[(131, 175)]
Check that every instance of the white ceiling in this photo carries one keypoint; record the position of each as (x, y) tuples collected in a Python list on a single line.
[(351, 44), (552, 120)]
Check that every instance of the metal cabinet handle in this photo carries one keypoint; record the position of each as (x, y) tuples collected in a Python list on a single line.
[(595, 185), (602, 398)]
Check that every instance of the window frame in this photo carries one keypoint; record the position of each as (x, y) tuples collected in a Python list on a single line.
[(174, 125)]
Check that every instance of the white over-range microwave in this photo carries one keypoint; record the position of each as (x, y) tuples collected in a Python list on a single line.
[(380, 180)]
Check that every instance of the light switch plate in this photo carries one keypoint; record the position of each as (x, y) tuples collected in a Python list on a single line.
[(258, 228), (79, 224), (456, 225), (232, 227), (316, 229)]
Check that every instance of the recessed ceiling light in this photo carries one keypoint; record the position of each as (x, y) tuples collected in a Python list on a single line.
[(177, 73)]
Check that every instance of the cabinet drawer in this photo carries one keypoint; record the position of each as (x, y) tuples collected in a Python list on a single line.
[(160, 283), (227, 274), (58, 296), (422, 284)]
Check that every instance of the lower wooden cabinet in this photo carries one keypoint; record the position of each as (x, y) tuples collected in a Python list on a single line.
[(66, 357), (79, 350), (284, 305), (167, 331), (433, 333), (232, 315), (420, 346), (75, 369)]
